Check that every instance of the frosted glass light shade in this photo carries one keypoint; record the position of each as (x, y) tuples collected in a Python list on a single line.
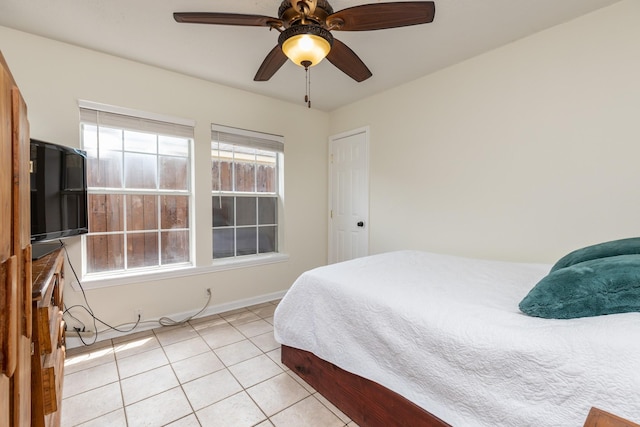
[(306, 47)]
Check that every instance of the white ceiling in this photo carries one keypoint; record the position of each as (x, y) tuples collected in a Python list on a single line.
[(145, 31)]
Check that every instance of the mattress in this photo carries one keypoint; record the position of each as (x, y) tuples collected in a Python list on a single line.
[(446, 333)]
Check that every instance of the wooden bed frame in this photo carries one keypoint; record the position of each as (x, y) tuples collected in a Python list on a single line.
[(371, 405), (367, 403)]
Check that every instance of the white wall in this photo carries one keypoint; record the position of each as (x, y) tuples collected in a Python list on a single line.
[(522, 153), (52, 77)]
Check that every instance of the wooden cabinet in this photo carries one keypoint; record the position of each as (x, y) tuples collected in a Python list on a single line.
[(47, 362), (15, 255)]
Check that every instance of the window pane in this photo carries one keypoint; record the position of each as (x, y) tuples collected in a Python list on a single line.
[(110, 139), (267, 239), (222, 211), (266, 172), (223, 243), (174, 173), (174, 212), (246, 211), (107, 169), (142, 249), (142, 212), (140, 142), (105, 253), (89, 137), (246, 241), (222, 167), (267, 210), (140, 170), (105, 213), (173, 146), (175, 246), (245, 176)]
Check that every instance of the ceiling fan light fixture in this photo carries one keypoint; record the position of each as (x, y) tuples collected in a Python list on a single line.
[(304, 44)]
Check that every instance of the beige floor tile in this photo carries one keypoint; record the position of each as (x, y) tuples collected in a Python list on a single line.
[(211, 388), (269, 320), (203, 318), (277, 393), (301, 382), (112, 419), (306, 413), (207, 322), (141, 344), (221, 335), (235, 411), (189, 421), (133, 336), (173, 334), (197, 366), (87, 379), (253, 371), (332, 407), (240, 317), (265, 310), (231, 375), (142, 362), (237, 352), (147, 384), (159, 410), (91, 404), (83, 360), (84, 349), (265, 342), (185, 349), (276, 356), (253, 329)]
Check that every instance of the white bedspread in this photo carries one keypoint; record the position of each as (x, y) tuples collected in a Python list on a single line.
[(446, 333)]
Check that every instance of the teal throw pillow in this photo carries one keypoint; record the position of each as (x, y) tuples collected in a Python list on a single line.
[(601, 250), (591, 288)]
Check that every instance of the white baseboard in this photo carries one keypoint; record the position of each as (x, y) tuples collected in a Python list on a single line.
[(73, 341)]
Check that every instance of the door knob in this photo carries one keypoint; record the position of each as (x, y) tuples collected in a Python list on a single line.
[(360, 223)]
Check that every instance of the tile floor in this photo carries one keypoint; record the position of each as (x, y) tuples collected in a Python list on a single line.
[(222, 370)]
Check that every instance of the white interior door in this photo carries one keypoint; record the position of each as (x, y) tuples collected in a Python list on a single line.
[(349, 195)]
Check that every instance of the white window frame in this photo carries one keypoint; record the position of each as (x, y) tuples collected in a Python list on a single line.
[(264, 141), (162, 125)]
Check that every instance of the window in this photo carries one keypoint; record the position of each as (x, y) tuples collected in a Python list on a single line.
[(139, 189), (245, 170)]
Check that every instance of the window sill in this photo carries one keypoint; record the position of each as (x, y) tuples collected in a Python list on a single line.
[(104, 281)]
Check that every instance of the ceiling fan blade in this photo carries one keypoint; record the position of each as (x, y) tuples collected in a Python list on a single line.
[(227, 19), (347, 61), (272, 63), (379, 16)]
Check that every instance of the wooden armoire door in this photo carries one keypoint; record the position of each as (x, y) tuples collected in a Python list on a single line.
[(8, 267), (15, 256)]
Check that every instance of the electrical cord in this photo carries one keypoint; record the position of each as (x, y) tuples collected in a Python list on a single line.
[(167, 321), (162, 321)]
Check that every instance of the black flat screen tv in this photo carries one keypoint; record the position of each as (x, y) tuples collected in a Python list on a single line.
[(58, 194)]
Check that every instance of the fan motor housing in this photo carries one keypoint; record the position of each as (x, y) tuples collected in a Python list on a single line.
[(291, 16)]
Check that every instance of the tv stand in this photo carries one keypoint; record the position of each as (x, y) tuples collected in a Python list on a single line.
[(39, 250)]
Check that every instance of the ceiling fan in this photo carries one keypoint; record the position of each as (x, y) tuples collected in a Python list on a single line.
[(305, 30)]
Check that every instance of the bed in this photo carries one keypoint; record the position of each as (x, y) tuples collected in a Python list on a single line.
[(422, 339)]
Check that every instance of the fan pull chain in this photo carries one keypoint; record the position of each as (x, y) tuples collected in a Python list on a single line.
[(307, 96)]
